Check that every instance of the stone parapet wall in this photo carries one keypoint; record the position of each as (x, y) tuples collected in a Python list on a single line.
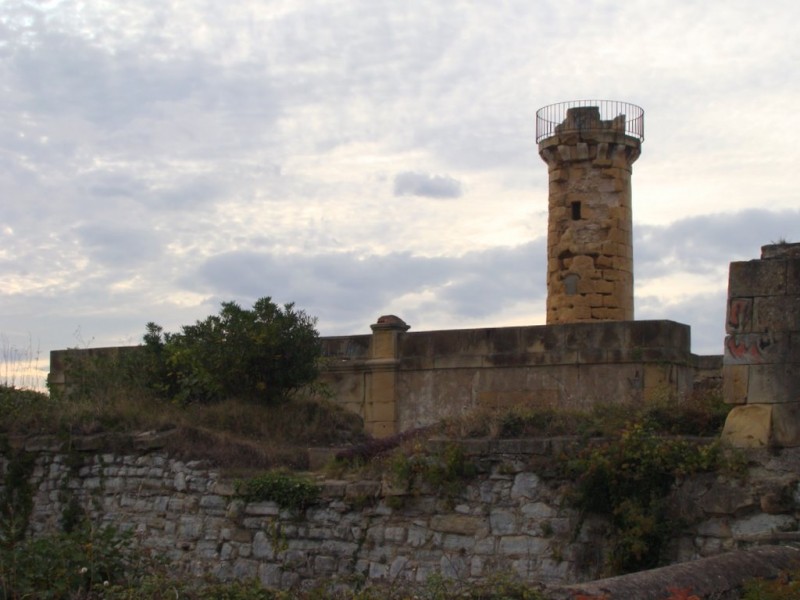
[(397, 379), (509, 519), (439, 374)]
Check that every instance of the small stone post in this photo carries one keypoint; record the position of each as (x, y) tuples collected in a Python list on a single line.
[(589, 236), (380, 403), (761, 366)]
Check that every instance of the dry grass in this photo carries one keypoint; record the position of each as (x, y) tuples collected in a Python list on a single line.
[(234, 433), (19, 367), (702, 414)]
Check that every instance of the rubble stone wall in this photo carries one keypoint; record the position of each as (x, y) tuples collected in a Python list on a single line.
[(510, 519)]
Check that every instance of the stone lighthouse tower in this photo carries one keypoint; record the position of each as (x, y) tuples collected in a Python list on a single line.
[(589, 147)]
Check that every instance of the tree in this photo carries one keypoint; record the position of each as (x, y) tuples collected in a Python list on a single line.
[(263, 354)]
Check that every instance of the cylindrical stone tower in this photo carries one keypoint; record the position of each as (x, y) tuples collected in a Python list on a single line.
[(589, 147)]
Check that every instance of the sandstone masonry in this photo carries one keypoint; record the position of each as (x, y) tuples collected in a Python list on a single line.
[(761, 372), (589, 237)]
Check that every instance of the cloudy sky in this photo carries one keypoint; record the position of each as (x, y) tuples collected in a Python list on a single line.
[(365, 157)]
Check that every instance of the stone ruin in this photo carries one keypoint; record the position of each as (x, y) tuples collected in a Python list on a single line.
[(761, 372)]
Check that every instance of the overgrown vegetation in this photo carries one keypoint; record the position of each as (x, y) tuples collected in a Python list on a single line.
[(628, 479), (702, 414), (67, 565), (233, 433), (16, 497), (19, 366), (444, 473), (219, 386), (263, 354), (287, 490)]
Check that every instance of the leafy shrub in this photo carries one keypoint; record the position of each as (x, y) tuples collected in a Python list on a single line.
[(285, 489), (628, 480), (15, 401), (16, 498), (65, 565), (444, 472), (261, 354)]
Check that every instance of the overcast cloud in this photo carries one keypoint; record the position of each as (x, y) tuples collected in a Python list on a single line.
[(370, 157), (422, 184)]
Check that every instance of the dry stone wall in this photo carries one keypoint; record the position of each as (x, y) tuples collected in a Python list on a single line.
[(509, 519)]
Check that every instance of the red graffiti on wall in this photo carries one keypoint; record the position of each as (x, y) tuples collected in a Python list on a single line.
[(738, 314), (748, 348), (741, 351)]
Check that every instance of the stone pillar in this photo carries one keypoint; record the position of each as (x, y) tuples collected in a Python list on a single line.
[(761, 365), (380, 405), (589, 236)]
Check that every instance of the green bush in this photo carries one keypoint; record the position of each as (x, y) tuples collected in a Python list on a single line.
[(262, 354), (629, 480), (285, 489), (16, 498), (445, 472), (65, 565)]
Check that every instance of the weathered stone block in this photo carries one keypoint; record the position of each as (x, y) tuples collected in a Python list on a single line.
[(760, 425), (734, 383), (757, 278), (459, 524), (382, 411), (739, 315), (776, 313), (746, 348), (213, 502), (538, 511), (266, 508), (270, 575), (748, 426), (453, 542), (786, 423), (761, 524), (190, 528), (793, 277), (522, 545), (526, 485), (503, 522), (263, 546), (771, 383)]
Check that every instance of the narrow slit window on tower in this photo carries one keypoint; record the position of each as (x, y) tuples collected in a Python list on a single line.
[(576, 211)]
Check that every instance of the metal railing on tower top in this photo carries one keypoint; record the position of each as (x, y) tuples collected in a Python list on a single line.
[(609, 114)]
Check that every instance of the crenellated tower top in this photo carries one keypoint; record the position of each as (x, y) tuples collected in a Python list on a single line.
[(589, 147)]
